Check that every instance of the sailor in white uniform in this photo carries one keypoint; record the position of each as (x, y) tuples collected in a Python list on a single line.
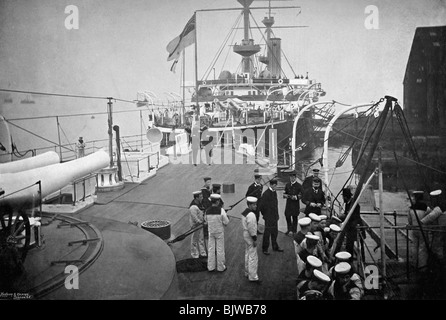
[(434, 218), (249, 224), (347, 285), (415, 215), (196, 217), (217, 219)]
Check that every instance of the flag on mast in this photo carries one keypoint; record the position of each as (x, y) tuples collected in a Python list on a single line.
[(185, 39)]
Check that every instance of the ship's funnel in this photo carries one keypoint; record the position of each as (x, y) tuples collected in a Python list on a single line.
[(154, 135), (274, 57), (41, 160), (22, 188)]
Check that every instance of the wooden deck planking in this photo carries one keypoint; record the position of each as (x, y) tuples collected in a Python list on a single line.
[(277, 271), (167, 195)]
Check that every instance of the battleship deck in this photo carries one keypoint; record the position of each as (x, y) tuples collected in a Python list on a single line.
[(136, 264)]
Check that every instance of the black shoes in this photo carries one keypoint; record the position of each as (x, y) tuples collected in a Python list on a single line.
[(278, 250), (266, 253), (256, 281)]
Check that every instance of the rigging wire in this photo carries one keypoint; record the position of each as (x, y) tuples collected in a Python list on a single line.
[(54, 94), (365, 133), (221, 48), (32, 133), (408, 136), (232, 40), (421, 164), (16, 152), (71, 115), (127, 162), (350, 179), (362, 151), (314, 148), (342, 104), (73, 149), (267, 44), (424, 236)]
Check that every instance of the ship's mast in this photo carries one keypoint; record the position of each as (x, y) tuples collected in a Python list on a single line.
[(273, 58), (268, 22), (247, 48)]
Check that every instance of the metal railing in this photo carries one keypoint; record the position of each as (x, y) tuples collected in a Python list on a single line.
[(435, 234), (79, 190), (144, 164), (67, 152)]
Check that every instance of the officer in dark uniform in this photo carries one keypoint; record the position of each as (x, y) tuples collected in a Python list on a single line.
[(270, 212), (308, 182), (314, 198), (255, 190), (292, 194)]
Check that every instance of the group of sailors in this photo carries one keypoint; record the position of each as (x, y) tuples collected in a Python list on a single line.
[(207, 208), (319, 274)]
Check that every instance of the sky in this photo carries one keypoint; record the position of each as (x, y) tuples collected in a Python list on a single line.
[(119, 47)]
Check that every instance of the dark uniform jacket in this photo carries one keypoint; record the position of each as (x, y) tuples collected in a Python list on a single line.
[(255, 190), (308, 183), (316, 197), (299, 237), (206, 194), (268, 207), (292, 206)]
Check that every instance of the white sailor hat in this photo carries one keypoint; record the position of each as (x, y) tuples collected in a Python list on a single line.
[(304, 221), (319, 275), (314, 261), (314, 217), (215, 196), (335, 228), (251, 199), (343, 255), (323, 217), (326, 229), (435, 193), (312, 237), (418, 192), (196, 192), (342, 268)]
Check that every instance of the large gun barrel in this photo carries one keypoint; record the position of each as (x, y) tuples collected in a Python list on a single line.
[(41, 160), (19, 189)]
